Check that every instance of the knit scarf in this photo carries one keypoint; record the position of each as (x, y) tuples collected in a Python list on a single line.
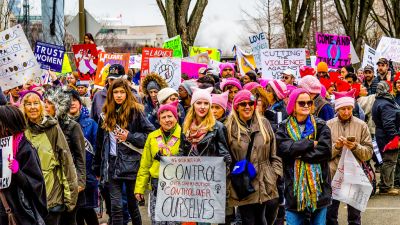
[(307, 177), (194, 135)]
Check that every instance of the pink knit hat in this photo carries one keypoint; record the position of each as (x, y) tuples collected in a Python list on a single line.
[(230, 81), (310, 84), (264, 82), (220, 99), (290, 88), (344, 99), (323, 91), (243, 95), (252, 85), (222, 66), (173, 107), (279, 88), (199, 93), (292, 99)]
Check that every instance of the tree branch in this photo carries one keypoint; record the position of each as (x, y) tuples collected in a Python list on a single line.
[(162, 9)]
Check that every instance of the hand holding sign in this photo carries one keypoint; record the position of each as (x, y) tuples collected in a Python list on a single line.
[(13, 164)]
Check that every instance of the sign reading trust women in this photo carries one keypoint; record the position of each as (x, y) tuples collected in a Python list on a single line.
[(333, 49), (191, 189), (49, 56)]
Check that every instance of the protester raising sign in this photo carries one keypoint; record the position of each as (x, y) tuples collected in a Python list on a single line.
[(175, 44), (17, 61), (148, 53), (192, 69), (191, 189), (369, 57), (169, 69), (333, 49), (49, 56), (275, 61), (86, 58), (135, 61), (105, 61), (389, 48), (6, 154), (258, 42)]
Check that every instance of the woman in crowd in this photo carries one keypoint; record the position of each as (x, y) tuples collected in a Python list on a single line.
[(233, 86), (219, 106), (26, 194), (250, 76), (164, 141), (122, 133), (168, 95), (276, 111), (55, 157), (245, 125), (89, 39), (304, 143)]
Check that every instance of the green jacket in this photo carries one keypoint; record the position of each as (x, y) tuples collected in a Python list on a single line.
[(56, 163)]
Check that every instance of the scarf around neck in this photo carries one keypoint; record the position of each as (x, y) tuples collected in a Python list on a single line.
[(195, 134)]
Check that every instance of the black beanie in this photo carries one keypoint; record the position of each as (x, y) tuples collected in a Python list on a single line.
[(75, 95)]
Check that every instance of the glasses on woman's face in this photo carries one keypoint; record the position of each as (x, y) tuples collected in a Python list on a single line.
[(244, 104), (304, 103)]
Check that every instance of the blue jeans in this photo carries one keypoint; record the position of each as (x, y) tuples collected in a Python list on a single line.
[(297, 218)]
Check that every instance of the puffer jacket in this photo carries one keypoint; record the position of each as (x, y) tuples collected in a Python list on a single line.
[(263, 156), (127, 160), (354, 127), (290, 150)]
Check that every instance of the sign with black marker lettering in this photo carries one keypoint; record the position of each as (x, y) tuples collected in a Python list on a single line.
[(6, 153), (191, 189)]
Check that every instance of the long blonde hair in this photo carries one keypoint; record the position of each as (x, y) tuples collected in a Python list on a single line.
[(208, 121), (233, 120)]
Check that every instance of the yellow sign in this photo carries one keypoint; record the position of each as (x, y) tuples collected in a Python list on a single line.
[(66, 66), (213, 53)]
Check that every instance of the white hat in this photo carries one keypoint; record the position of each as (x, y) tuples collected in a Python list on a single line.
[(288, 72), (164, 93)]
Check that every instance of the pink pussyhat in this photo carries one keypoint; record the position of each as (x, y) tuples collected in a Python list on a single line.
[(220, 99), (173, 107), (292, 99), (222, 66), (252, 85), (243, 95), (345, 98), (230, 81)]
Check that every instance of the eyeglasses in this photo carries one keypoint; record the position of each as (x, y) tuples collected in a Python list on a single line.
[(285, 77), (244, 104), (304, 103)]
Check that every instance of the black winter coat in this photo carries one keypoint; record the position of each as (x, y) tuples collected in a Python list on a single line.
[(290, 150), (26, 195), (127, 161)]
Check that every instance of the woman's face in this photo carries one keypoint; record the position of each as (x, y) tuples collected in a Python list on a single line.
[(343, 72), (201, 108), (183, 94), (171, 98), (50, 108), (153, 95), (302, 107), (246, 79), (75, 107), (33, 108), (217, 111), (119, 95), (71, 79), (270, 94), (167, 120), (246, 110), (232, 92)]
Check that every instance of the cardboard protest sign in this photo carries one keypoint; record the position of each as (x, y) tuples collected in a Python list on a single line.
[(245, 60), (86, 58), (353, 53), (275, 61), (258, 42), (17, 62), (333, 49), (66, 67), (135, 61), (50, 56), (169, 69), (6, 153), (192, 69), (175, 44), (191, 189), (369, 57), (388, 48), (105, 61), (148, 53), (213, 53)]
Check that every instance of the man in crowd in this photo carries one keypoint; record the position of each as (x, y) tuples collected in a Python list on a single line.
[(287, 77), (322, 70), (369, 82)]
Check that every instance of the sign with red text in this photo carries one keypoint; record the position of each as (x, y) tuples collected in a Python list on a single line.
[(333, 49), (275, 61), (6, 155), (148, 53), (191, 189)]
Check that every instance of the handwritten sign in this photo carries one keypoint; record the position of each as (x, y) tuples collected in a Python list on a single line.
[(258, 42), (148, 53), (86, 58), (192, 69), (49, 56), (191, 189), (169, 69), (275, 61), (17, 62), (175, 44), (135, 61), (213, 53), (6, 153), (105, 61), (369, 57), (333, 49), (388, 48)]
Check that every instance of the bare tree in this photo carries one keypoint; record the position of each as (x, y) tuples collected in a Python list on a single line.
[(387, 15), (5, 13), (178, 22)]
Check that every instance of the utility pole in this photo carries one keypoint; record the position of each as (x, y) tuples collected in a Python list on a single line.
[(82, 21)]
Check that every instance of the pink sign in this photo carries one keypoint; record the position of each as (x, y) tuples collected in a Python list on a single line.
[(192, 69), (333, 49)]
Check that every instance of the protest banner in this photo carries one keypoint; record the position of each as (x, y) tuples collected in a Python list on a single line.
[(105, 61), (258, 42), (245, 60), (369, 57), (275, 61), (174, 44), (6, 153), (333, 49), (168, 68), (135, 61), (192, 69), (49, 56), (191, 189), (66, 67), (17, 62), (388, 48), (86, 59), (148, 53), (353, 53), (213, 53)]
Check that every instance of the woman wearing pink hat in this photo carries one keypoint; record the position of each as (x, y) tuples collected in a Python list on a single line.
[(219, 106), (233, 86), (251, 137), (276, 111), (304, 143)]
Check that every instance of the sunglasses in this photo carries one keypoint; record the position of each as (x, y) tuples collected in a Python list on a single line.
[(244, 104), (285, 77), (304, 103)]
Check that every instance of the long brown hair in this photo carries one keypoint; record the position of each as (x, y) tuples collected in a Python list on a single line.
[(123, 115)]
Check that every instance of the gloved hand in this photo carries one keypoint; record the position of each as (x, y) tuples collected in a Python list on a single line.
[(14, 165), (158, 156), (392, 145)]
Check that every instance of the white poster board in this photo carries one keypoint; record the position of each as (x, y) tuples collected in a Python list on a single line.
[(258, 42), (388, 48), (369, 57), (191, 189), (6, 153), (275, 61), (354, 56), (135, 61), (168, 68), (17, 62)]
